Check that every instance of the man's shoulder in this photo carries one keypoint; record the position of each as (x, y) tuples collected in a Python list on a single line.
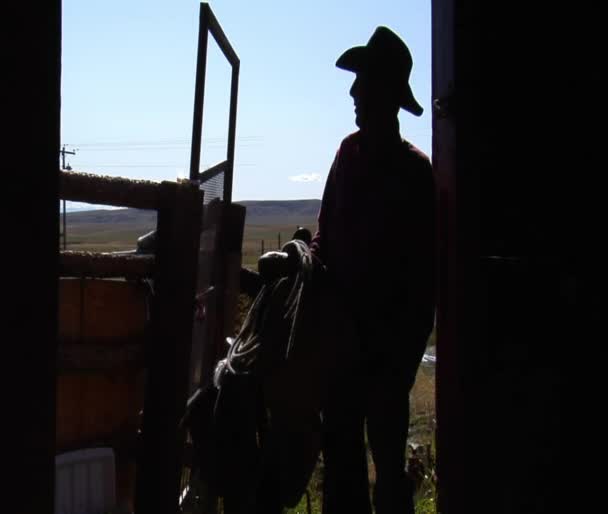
[(417, 155), (419, 166), (350, 142)]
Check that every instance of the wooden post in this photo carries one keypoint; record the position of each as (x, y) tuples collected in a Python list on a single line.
[(160, 462)]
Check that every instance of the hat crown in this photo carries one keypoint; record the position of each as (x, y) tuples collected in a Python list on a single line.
[(390, 52)]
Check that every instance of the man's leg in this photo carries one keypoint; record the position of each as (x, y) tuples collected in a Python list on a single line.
[(345, 481), (387, 429)]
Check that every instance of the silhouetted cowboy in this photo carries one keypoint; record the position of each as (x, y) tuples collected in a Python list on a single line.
[(376, 238)]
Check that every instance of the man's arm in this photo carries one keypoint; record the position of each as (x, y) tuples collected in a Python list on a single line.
[(319, 243), (420, 272)]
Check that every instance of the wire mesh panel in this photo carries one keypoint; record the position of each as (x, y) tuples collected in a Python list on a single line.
[(209, 284), (213, 188), (204, 337)]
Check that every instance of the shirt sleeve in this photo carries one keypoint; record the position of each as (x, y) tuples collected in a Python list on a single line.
[(420, 268), (319, 243)]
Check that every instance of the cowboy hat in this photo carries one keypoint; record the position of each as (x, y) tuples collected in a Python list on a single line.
[(388, 56)]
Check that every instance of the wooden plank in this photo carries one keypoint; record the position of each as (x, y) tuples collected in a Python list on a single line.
[(97, 406), (103, 190), (102, 312), (93, 358), (93, 264), (159, 466)]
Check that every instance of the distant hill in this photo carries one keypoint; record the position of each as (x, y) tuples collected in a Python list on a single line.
[(269, 212), (281, 212), (115, 216), (268, 223)]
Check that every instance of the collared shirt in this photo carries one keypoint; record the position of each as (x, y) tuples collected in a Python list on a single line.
[(376, 229)]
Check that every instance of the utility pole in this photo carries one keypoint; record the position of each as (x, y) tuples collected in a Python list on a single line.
[(63, 153)]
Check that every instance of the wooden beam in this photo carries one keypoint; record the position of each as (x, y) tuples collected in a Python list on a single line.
[(106, 265), (117, 191), (88, 357)]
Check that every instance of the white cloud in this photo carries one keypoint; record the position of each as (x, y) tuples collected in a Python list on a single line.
[(306, 177)]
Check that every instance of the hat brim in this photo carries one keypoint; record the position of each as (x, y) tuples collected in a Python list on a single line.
[(354, 59), (357, 59)]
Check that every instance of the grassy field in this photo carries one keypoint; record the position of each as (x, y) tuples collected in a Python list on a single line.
[(105, 236)]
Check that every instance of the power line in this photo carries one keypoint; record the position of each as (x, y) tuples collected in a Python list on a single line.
[(161, 142), (181, 165), (159, 147)]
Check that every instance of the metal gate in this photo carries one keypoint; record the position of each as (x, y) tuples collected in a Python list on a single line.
[(221, 238), (217, 180)]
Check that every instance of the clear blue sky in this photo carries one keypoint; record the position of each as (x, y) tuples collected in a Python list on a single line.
[(128, 86)]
